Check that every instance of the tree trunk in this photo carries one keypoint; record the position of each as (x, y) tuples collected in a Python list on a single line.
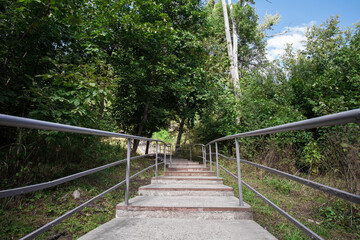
[(101, 110), (230, 150), (181, 129), (141, 126), (237, 90), (228, 38), (232, 49), (235, 54), (185, 138), (147, 147)]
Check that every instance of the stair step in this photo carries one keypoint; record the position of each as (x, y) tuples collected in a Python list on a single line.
[(198, 207), (181, 160), (186, 163), (189, 169), (187, 180), (186, 190), (185, 173), (178, 165)]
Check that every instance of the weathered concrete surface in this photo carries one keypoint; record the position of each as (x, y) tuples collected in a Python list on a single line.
[(184, 201), (178, 189), (182, 168), (185, 164), (176, 229), (195, 207), (195, 186), (186, 173), (187, 180), (184, 213)]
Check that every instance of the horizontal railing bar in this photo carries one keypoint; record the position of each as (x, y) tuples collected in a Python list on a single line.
[(328, 120), (298, 224), (49, 225), (14, 121), (330, 190), (36, 187)]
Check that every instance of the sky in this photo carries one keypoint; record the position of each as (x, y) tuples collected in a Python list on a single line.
[(297, 15)]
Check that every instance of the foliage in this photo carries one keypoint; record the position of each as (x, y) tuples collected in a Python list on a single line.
[(324, 78), (160, 66), (163, 135), (72, 94), (31, 32)]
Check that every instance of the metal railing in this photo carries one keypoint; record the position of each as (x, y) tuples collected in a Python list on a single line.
[(352, 116), (12, 121)]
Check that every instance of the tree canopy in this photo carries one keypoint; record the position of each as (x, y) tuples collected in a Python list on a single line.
[(142, 66)]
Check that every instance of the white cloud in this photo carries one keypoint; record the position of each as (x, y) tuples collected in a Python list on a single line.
[(290, 35)]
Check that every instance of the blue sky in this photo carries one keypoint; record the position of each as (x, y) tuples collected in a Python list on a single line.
[(297, 15)]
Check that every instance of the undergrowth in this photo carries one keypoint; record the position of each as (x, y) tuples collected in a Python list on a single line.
[(326, 215)]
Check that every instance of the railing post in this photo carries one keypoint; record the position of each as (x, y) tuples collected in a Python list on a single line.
[(204, 147), (217, 159), (156, 159), (210, 157), (202, 152), (239, 171), (170, 155), (164, 157), (190, 153), (128, 172)]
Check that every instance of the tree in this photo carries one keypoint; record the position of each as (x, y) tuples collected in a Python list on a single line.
[(324, 77), (246, 45), (158, 60)]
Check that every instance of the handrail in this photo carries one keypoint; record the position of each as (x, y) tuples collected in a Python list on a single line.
[(352, 116), (13, 121), (44, 185), (277, 208), (328, 120), (318, 186)]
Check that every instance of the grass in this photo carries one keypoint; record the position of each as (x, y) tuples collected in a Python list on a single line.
[(20, 215), (326, 215)]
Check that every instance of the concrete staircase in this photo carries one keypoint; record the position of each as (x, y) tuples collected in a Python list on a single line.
[(187, 202)]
